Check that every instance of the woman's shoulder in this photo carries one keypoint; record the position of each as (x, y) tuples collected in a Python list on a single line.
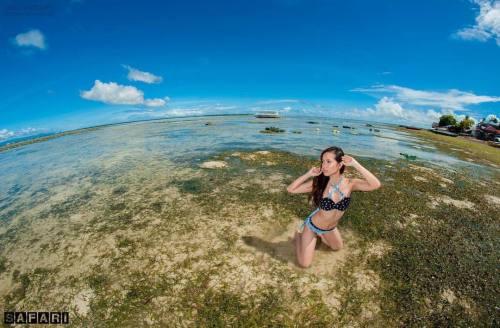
[(349, 182)]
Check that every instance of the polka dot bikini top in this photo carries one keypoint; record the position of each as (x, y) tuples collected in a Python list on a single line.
[(328, 204)]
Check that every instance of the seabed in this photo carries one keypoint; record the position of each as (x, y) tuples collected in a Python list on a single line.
[(207, 241)]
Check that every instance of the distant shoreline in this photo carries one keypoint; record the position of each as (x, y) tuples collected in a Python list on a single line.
[(465, 148), (35, 139), (45, 137)]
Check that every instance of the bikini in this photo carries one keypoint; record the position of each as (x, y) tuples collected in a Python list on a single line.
[(327, 204)]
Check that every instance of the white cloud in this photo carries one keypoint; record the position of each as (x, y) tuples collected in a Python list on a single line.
[(459, 118), (5, 134), (156, 102), (390, 111), (116, 94), (156, 114), (185, 112), (32, 38), (277, 101), (451, 100), (8, 134), (137, 75), (487, 23)]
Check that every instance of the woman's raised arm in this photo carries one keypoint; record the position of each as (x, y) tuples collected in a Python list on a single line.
[(369, 183), (301, 184)]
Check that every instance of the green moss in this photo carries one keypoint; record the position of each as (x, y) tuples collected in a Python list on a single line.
[(272, 129), (117, 207), (97, 281), (429, 250), (15, 275), (3, 264), (479, 151), (157, 207), (228, 236), (70, 205), (192, 186), (120, 190), (124, 242)]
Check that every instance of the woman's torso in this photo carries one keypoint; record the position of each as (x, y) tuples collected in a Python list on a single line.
[(327, 219)]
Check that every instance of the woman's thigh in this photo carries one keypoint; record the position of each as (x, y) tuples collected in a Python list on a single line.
[(333, 239), (308, 238), (307, 245)]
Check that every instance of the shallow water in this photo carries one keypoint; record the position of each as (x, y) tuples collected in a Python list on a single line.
[(124, 213), (189, 138), (112, 151)]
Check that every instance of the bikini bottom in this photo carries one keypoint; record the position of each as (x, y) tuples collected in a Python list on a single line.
[(312, 227)]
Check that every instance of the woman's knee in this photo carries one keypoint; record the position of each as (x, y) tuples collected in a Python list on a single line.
[(304, 263), (337, 247)]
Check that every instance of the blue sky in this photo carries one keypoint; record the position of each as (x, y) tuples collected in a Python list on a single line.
[(69, 64)]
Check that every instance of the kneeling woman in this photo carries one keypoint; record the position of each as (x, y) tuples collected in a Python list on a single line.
[(331, 192)]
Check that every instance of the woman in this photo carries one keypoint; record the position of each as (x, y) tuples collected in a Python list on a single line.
[(331, 192)]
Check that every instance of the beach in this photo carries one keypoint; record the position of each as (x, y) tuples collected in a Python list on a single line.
[(184, 223)]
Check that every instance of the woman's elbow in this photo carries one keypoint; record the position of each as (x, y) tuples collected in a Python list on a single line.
[(289, 190), (377, 185)]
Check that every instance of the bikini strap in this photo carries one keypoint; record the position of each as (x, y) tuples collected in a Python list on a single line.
[(336, 188)]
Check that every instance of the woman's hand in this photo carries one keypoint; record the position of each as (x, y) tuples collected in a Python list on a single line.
[(349, 161), (315, 171)]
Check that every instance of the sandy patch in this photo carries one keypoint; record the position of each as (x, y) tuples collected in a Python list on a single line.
[(367, 280), (272, 183), (268, 213), (493, 199), (410, 220), (369, 311), (378, 249), (326, 261), (81, 302), (213, 165), (261, 154), (422, 168), (448, 295), (465, 204), (445, 180), (442, 180), (419, 178), (5, 285)]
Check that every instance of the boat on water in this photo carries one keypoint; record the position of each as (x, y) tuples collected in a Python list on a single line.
[(410, 127), (444, 132), (494, 144), (267, 114)]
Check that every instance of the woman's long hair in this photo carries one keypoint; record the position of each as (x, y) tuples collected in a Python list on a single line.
[(320, 181)]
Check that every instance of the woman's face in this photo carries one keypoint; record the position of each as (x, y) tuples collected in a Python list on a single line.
[(329, 165)]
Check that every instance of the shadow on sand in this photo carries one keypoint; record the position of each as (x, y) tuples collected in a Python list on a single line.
[(283, 251)]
